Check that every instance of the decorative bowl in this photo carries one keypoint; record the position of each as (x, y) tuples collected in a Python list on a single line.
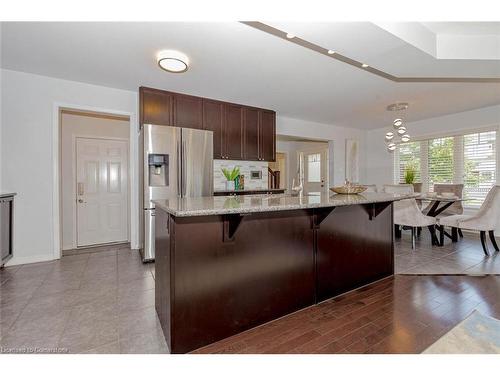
[(348, 189)]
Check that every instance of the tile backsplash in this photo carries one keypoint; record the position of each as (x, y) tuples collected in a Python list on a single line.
[(245, 168)]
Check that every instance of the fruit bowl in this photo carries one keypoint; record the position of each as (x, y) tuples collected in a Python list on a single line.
[(348, 189)]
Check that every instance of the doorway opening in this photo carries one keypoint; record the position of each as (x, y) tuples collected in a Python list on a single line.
[(94, 179), (305, 160)]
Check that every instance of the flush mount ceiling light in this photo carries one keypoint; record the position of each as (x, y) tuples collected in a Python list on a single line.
[(172, 61), (331, 52), (405, 138), (391, 147), (389, 136), (397, 123), (290, 36), (365, 65)]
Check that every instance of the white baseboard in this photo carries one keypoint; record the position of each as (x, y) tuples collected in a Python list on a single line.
[(15, 261)]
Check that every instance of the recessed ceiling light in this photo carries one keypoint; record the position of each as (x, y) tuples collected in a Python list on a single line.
[(331, 52), (290, 36), (365, 65), (172, 61)]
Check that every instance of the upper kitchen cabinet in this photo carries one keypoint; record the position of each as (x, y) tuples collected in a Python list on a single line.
[(155, 106), (213, 119), (240, 132), (188, 111), (268, 136), (251, 138), (233, 131)]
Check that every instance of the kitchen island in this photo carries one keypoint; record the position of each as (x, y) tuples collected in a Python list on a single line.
[(227, 264)]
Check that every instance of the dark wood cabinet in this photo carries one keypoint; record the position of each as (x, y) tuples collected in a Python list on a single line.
[(240, 132), (268, 136), (213, 119), (233, 131), (188, 111), (6, 233), (348, 256), (155, 106), (251, 141)]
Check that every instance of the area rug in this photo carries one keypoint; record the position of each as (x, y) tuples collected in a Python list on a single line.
[(476, 334)]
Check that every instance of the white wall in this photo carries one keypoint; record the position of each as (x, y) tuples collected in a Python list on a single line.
[(336, 135), (29, 143), (379, 164), (73, 126)]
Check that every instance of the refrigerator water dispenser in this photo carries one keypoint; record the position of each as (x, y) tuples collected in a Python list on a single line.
[(158, 169)]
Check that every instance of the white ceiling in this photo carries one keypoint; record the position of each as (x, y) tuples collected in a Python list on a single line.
[(464, 28), (234, 62)]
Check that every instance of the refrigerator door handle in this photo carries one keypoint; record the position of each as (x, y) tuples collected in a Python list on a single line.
[(184, 166), (179, 183)]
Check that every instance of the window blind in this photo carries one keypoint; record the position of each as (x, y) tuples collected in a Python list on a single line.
[(470, 159), (440, 161), (479, 166), (409, 157)]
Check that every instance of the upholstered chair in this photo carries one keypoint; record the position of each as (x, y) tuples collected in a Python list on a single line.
[(485, 220), (408, 215), (370, 188)]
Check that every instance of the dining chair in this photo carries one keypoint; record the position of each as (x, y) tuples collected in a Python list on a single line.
[(370, 188), (455, 209), (485, 220), (407, 214)]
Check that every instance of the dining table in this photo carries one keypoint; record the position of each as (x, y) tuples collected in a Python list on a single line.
[(438, 205)]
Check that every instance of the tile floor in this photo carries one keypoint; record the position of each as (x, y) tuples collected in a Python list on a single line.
[(464, 257), (101, 300), (94, 302)]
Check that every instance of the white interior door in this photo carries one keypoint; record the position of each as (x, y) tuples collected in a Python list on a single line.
[(315, 171), (102, 191)]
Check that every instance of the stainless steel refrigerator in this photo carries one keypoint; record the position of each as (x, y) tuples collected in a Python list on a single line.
[(178, 163)]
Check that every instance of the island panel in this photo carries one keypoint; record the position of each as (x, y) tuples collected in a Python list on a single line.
[(224, 283), (354, 248)]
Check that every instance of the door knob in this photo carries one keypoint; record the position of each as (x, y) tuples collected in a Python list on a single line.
[(80, 200)]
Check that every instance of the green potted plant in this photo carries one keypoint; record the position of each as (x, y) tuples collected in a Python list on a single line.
[(231, 175), (409, 174)]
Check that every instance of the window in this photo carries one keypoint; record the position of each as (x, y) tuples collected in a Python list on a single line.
[(409, 157), (314, 168), (440, 161), (479, 166), (470, 159)]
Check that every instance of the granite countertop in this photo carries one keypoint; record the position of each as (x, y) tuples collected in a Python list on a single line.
[(246, 190), (241, 204), (4, 194)]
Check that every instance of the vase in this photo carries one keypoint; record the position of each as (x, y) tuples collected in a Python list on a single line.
[(230, 185)]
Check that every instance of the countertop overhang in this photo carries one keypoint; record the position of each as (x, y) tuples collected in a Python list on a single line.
[(247, 204)]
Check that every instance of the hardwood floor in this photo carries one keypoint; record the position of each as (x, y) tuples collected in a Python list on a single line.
[(400, 314)]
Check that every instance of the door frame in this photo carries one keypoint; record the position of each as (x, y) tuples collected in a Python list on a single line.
[(323, 151), (133, 169), (74, 139)]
